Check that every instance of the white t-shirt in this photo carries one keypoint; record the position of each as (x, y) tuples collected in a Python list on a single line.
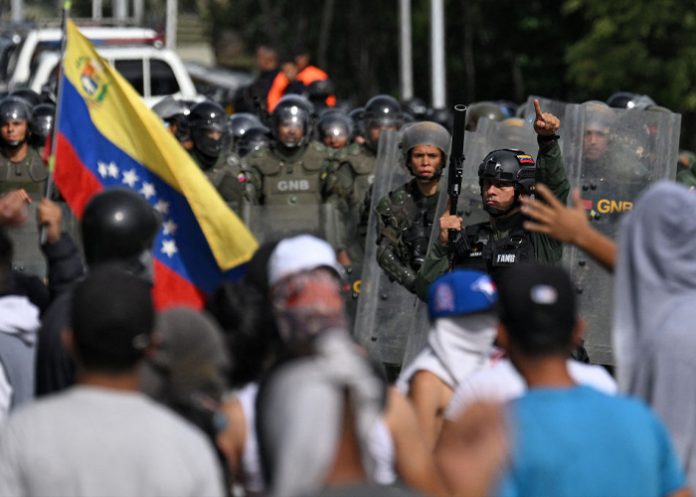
[(93, 442), (501, 383)]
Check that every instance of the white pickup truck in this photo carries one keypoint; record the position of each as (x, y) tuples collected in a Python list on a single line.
[(153, 72), (38, 40)]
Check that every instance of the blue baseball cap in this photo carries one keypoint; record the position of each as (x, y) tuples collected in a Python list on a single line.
[(461, 292)]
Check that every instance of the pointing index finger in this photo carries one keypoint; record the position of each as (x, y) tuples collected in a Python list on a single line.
[(537, 109)]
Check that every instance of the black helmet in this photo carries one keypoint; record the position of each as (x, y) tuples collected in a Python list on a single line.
[(41, 123), (205, 117), (239, 123), (14, 109), (416, 107), (318, 91), (510, 165), (383, 110), (335, 123), (357, 115), (295, 109), (628, 100), (29, 96), (118, 225), (252, 140)]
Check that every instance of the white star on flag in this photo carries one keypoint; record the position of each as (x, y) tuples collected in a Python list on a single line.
[(169, 227), (130, 178), (162, 207), (103, 169), (148, 190), (169, 248), (113, 170)]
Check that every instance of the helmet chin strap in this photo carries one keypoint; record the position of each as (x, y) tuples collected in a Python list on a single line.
[(495, 212)]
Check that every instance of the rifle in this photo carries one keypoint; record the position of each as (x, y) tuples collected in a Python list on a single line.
[(456, 165)]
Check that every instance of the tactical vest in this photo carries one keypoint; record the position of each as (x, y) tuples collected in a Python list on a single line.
[(293, 180), (228, 178), (485, 249), (30, 174), (362, 161), (412, 215)]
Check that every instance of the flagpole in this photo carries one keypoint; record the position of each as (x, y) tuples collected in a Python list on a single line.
[(48, 192)]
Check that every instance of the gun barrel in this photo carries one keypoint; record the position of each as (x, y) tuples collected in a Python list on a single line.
[(456, 158)]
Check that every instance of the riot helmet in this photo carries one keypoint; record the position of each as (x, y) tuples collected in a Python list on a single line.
[(357, 115), (425, 133), (335, 129), (416, 107), (252, 140), (508, 166), (478, 110), (174, 112), (291, 121), (239, 123), (41, 123), (207, 121), (29, 96), (381, 112), (628, 100), (14, 109), (318, 91), (119, 226)]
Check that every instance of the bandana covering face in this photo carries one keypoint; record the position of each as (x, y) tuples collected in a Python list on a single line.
[(308, 303)]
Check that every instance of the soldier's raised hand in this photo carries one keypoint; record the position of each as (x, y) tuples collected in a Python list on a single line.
[(545, 123)]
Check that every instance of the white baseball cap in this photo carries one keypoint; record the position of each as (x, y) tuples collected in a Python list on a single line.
[(301, 253)]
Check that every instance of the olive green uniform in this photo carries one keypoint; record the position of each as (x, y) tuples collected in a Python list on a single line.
[(405, 218), (506, 233), (228, 177), (31, 175), (347, 182)]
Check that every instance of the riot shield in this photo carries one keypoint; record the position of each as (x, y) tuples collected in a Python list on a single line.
[(387, 314), (279, 221), (612, 155)]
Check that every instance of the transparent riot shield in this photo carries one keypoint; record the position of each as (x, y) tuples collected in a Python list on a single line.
[(555, 107), (279, 221), (612, 155), (387, 314)]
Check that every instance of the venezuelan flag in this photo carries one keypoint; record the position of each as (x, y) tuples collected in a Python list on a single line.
[(107, 137)]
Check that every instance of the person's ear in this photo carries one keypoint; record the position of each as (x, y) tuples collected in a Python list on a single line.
[(502, 338), (578, 332), (67, 338), (153, 344)]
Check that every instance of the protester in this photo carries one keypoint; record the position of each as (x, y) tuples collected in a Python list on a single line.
[(460, 342), (589, 443), (103, 437)]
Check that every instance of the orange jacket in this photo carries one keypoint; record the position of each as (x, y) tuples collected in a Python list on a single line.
[(306, 76)]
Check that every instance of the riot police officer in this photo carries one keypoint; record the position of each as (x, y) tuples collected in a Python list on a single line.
[(335, 129), (237, 126), (174, 112), (288, 172), (20, 165), (207, 121), (504, 175), (406, 215), (41, 125)]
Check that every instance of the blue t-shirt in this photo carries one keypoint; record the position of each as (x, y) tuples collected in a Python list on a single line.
[(583, 443)]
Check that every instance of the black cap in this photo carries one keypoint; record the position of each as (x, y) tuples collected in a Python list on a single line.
[(538, 308), (112, 319)]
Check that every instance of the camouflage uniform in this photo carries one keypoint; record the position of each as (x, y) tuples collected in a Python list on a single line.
[(490, 246), (406, 219)]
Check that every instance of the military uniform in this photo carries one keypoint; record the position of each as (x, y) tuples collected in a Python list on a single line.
[(278, 179), (228, 177), (405, 219), (30, 174), (491, 246), (347, 181)]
